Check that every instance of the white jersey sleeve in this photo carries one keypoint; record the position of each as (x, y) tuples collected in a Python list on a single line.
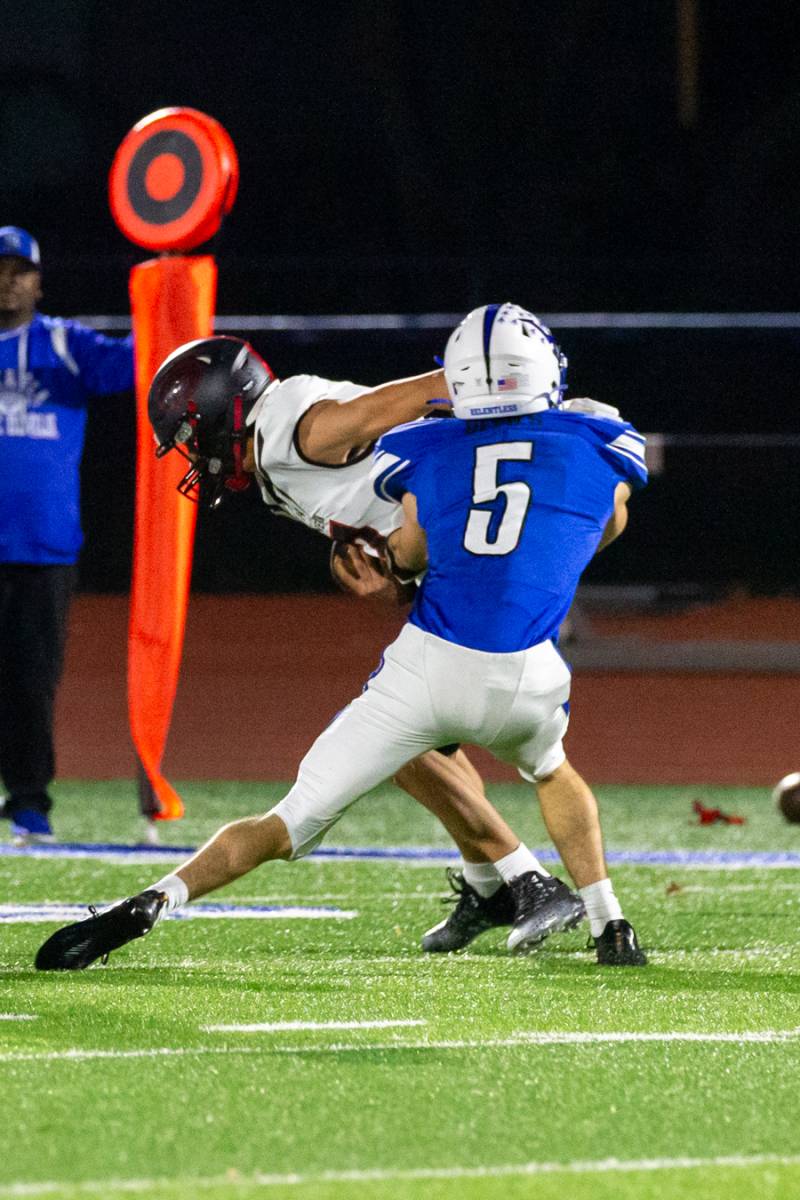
[(338, 501)]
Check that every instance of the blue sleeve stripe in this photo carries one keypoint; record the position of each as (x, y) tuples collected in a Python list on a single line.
[(383, 479), (633, 457), (628, 441)]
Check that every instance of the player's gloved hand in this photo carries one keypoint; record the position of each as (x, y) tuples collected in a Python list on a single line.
[(366, 575), (592, 408)]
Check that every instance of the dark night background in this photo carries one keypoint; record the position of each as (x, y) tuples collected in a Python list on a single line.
[(399, 156)]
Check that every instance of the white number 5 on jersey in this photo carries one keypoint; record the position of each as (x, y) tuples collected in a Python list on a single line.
[(486, 488)]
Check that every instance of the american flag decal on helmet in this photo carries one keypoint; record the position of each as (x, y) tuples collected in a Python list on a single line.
[(510, 383)]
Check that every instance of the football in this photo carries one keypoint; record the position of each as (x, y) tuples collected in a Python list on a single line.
[(786, 795)]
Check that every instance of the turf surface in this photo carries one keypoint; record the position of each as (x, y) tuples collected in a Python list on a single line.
[(482, 1100)]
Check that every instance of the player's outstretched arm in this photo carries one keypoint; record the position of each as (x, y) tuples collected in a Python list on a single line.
[(619, 518), (331, 429)]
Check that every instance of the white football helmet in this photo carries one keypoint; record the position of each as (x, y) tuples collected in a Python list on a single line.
[(502, 361)]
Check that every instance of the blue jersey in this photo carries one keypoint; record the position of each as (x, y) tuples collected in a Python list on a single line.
[(48, 371), (513, 510)]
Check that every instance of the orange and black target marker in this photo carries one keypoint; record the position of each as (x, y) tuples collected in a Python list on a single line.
[(173, 179)]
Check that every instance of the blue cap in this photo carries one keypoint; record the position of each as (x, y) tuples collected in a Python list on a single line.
[(15, 241)]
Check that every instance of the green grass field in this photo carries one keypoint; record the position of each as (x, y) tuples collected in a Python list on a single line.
[(115, 1086)]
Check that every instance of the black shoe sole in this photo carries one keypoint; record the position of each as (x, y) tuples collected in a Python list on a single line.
[(77, 946), (565, 915)]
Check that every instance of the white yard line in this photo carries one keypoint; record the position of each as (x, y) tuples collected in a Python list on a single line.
[(49, 911), (290, 1026), (711, 952), (701, 957), (77, 1055), (17, 1016), (518, 1040), (234, 1181), (557, 1038)]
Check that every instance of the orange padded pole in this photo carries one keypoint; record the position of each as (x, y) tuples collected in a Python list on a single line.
[(172, 301)]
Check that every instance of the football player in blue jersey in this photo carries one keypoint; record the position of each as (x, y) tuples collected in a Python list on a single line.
[(504, 507), (48, 370)]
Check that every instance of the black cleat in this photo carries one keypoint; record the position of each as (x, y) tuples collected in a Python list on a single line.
[(79, 945), (544, 905), (472, 915), (617, 946)]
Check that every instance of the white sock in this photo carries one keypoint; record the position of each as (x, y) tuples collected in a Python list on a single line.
[(482, 877), (174, 888), (518, 862), (602, 905)]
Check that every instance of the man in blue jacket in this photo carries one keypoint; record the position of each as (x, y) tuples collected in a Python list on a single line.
[(49, 368)]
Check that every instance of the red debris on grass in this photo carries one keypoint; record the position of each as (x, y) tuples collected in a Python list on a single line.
[(710, 816)]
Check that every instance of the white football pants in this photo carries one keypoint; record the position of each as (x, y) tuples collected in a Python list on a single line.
[(428, 692)]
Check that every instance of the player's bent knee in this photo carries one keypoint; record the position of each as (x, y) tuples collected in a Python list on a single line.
[(553, 777), (303, 832), (248, 843), (277, 842), (548, 767)]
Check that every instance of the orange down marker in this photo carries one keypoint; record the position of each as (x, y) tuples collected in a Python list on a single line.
[(173, 179)]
